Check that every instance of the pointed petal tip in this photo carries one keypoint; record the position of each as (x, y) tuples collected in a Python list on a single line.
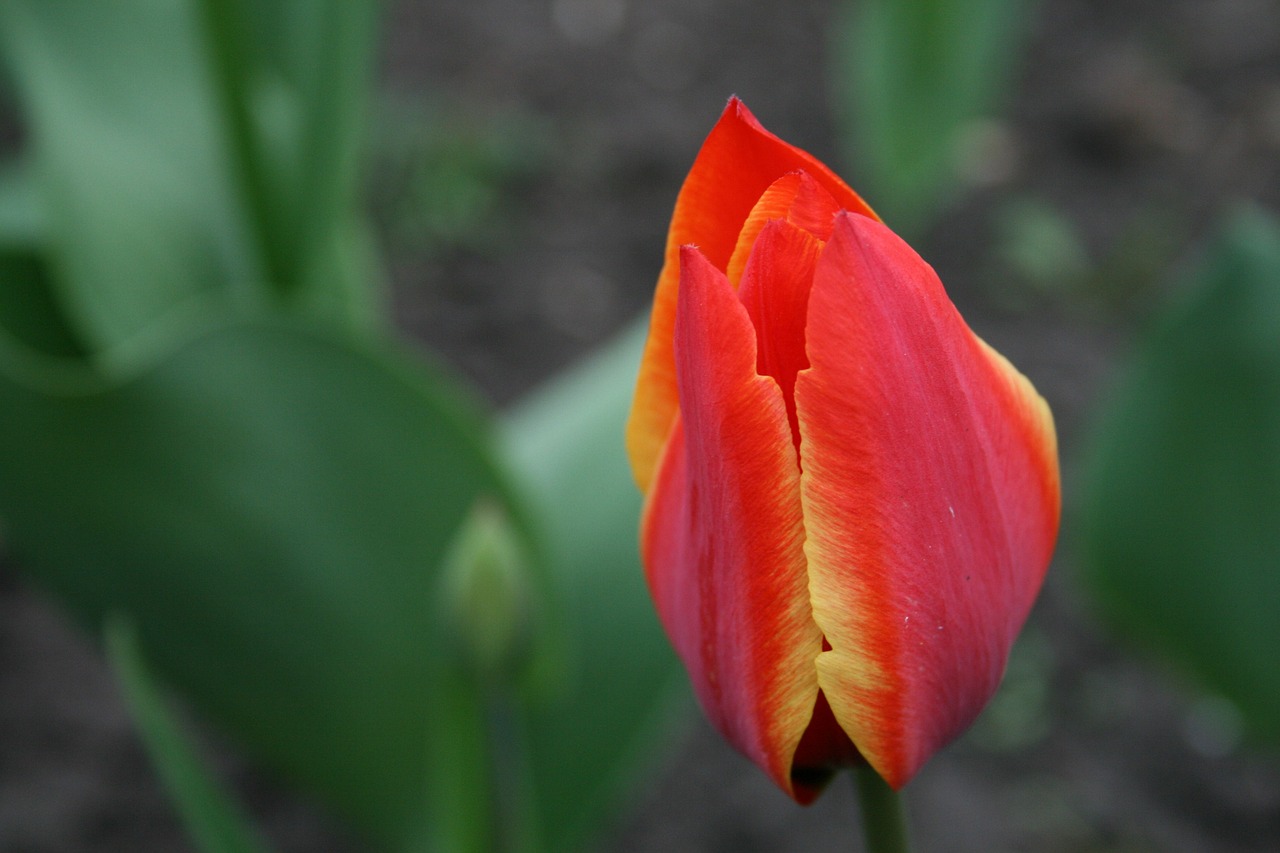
[(860, 226), (688, 252), (737, 162), (696, 270), (743, 112)]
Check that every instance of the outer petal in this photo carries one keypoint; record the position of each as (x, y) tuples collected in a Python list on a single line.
[(722, 534), (931, 499), (737, 163)]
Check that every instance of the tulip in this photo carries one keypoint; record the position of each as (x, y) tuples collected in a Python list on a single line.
[(850, 499)]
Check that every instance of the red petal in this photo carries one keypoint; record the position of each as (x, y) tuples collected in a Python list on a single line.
[(737, 163), (722, 534), (931, 501), (775, 290)]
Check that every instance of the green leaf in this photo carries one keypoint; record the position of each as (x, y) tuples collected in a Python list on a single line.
[(622, 686), (911, 78), (23, 221), (31, 318), (294, 79), (1180, 515), (335, 94), (128, 147), (29, 312), (271, 508), (213, 819)]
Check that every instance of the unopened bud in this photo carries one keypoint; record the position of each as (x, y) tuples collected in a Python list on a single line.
[(486, 597)]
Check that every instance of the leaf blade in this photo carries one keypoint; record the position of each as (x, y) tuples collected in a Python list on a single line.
[(270, 505), (1183, 479), (621, 691), (212, 819)]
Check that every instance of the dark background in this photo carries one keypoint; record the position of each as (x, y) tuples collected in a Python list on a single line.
[(1135, 123)]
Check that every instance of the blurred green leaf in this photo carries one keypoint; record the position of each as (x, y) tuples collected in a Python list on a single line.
[(33, 326), (212, 818), (1182, 508), (128, 147), (294, 80), (31, 317), (622, 685), (911, 79), (347, 281), (271, 507), (335, 96), (29, 311), (23, 219)]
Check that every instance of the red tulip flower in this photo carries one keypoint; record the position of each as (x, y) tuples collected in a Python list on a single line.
[(851, 500)]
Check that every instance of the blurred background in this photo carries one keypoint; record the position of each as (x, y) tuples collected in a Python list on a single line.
[(1100, 170)]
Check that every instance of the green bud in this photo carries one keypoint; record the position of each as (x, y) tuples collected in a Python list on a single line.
[(486, 595)]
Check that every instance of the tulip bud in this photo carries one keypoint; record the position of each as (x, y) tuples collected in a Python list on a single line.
[(485, 595), (850, 499)]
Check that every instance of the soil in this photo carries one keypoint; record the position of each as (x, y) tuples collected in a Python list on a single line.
[(1134, 122)]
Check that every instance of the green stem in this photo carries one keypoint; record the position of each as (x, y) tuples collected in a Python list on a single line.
[(884, 824), (464, 813), (231, 60), (333, 101)]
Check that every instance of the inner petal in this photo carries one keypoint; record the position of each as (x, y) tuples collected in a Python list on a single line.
[(736, 164), (796, 197), (823, 751), (775, 291)]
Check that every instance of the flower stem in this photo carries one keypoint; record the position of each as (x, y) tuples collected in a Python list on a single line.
[(884, 824), (232, 65)]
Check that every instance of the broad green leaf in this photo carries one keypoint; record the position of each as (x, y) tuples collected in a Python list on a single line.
[(214, 820), (1182, 507), (911, 77), (270, 507), (621, 686), (128, 147)]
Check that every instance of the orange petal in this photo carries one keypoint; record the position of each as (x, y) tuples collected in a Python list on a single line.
[(737, 163), (722, 535), (931, 501)]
